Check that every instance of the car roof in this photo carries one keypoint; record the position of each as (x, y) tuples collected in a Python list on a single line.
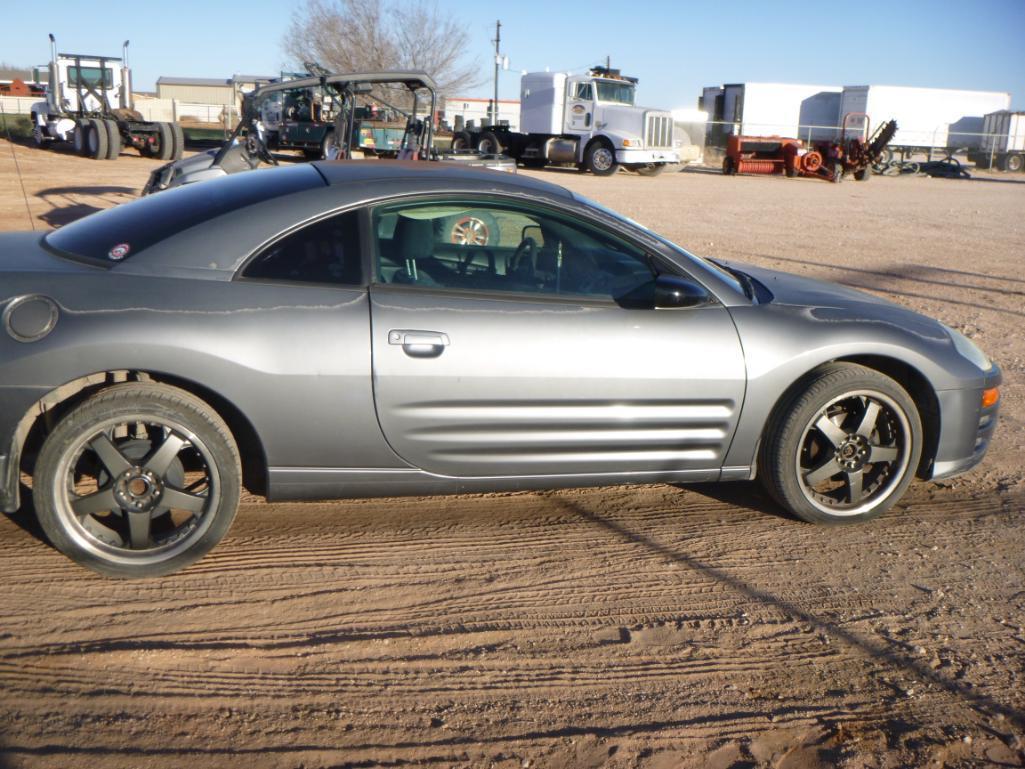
[(450, 174)]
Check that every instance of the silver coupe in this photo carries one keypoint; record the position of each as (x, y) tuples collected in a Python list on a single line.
[(356, 329)]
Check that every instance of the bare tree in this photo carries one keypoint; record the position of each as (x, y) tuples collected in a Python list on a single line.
[(375, 35)]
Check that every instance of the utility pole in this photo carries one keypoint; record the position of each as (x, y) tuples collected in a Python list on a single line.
[(498, 63)]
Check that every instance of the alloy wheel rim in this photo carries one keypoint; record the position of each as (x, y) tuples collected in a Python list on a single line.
[(602, 159), (853, 453), (470, 231), (138, 490)]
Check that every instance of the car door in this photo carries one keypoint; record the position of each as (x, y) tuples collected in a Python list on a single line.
[(538, 353), (579, 105)]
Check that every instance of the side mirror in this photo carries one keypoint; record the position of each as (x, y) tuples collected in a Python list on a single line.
[(673, 292)]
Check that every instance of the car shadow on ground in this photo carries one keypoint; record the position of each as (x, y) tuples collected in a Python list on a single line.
[(64, 208), (888, 654), (746, 494)]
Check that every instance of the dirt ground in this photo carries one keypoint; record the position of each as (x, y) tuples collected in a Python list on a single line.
[(653, 627)]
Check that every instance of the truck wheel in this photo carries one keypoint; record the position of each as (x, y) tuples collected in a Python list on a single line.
[(461, 141), (177, 141), (600, 159), (38, 137), (96, 139), (131, 502), (328, 148), (885, 156), (113, 139), (1013, 163), (489, 144), (863, 174), (164, 146), (80, 137)]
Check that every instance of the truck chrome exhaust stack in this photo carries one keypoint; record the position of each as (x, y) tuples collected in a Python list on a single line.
[(55, 83), (126, 80)]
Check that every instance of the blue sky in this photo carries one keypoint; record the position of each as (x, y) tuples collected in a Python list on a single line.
[(675, 48)]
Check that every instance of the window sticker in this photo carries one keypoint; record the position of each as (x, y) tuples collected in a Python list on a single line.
[(119, 252)]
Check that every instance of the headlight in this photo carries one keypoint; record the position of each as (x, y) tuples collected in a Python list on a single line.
[(632, 143), (968, 349)]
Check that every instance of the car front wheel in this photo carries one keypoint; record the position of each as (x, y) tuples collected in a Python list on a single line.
[(844, 447), (140, 480)]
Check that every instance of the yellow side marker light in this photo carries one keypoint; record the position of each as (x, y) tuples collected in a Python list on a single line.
[(990, 396)]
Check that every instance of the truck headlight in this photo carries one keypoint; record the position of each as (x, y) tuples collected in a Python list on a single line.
[(968, 349), (631, 142)]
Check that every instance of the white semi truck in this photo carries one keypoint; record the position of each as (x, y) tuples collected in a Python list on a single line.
[(588, 120), (89, 103)]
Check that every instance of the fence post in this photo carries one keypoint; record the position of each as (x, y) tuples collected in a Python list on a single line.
[(174, 110)]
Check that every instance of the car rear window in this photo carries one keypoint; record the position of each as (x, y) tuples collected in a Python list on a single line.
[(121, 232)]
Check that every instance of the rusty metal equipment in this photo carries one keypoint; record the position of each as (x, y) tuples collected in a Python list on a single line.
[(830, 160)]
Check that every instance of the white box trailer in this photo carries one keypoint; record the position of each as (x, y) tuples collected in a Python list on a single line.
[(807, 112), (1003, 142), (927, 118)]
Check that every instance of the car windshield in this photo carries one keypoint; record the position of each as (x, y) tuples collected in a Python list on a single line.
[(705, 264), (123, 231), (616, 92)]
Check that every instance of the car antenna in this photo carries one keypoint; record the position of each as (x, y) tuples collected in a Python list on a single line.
[(17, 167)]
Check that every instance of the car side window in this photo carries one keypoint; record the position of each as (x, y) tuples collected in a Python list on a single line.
[(500, 247), (327, 251)]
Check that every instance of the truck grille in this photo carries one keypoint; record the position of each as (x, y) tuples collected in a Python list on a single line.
[(658, 130)]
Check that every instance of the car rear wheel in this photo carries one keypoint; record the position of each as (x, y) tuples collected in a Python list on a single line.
[(138, 481), (844, 447)]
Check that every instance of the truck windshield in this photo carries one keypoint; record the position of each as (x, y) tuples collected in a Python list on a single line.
[(89, 77), (617, 92)]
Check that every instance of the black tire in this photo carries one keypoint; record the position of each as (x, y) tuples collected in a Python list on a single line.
[(461, 141), (327, 146), (863, 174), (177, 141), (113, 139), (149, 511), (80, 138), (1013, 163), (164, 146), (39, 137), (600, 158), (489, 144), (96, 140), (728, 168), (839, 418)]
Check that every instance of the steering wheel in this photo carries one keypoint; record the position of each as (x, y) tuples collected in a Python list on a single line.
[(255, 148), (526, 250)]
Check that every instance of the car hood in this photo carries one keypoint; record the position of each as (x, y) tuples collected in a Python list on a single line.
[(830, 301)]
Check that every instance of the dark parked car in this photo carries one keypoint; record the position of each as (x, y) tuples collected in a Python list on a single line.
[(314, 332)]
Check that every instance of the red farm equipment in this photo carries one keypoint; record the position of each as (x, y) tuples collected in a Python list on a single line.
[(829, 160)]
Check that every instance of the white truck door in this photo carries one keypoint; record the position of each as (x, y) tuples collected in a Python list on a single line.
[(579, 115)]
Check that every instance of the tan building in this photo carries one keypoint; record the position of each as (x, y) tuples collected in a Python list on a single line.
[(204, 90)]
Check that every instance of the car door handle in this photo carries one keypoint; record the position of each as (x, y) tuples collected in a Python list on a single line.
[(419, 344)]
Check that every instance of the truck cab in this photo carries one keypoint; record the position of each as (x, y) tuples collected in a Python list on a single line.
[(593, 120)]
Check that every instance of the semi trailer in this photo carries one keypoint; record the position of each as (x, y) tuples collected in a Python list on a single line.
[(89, 103), (589, 120), (1003, 142)]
